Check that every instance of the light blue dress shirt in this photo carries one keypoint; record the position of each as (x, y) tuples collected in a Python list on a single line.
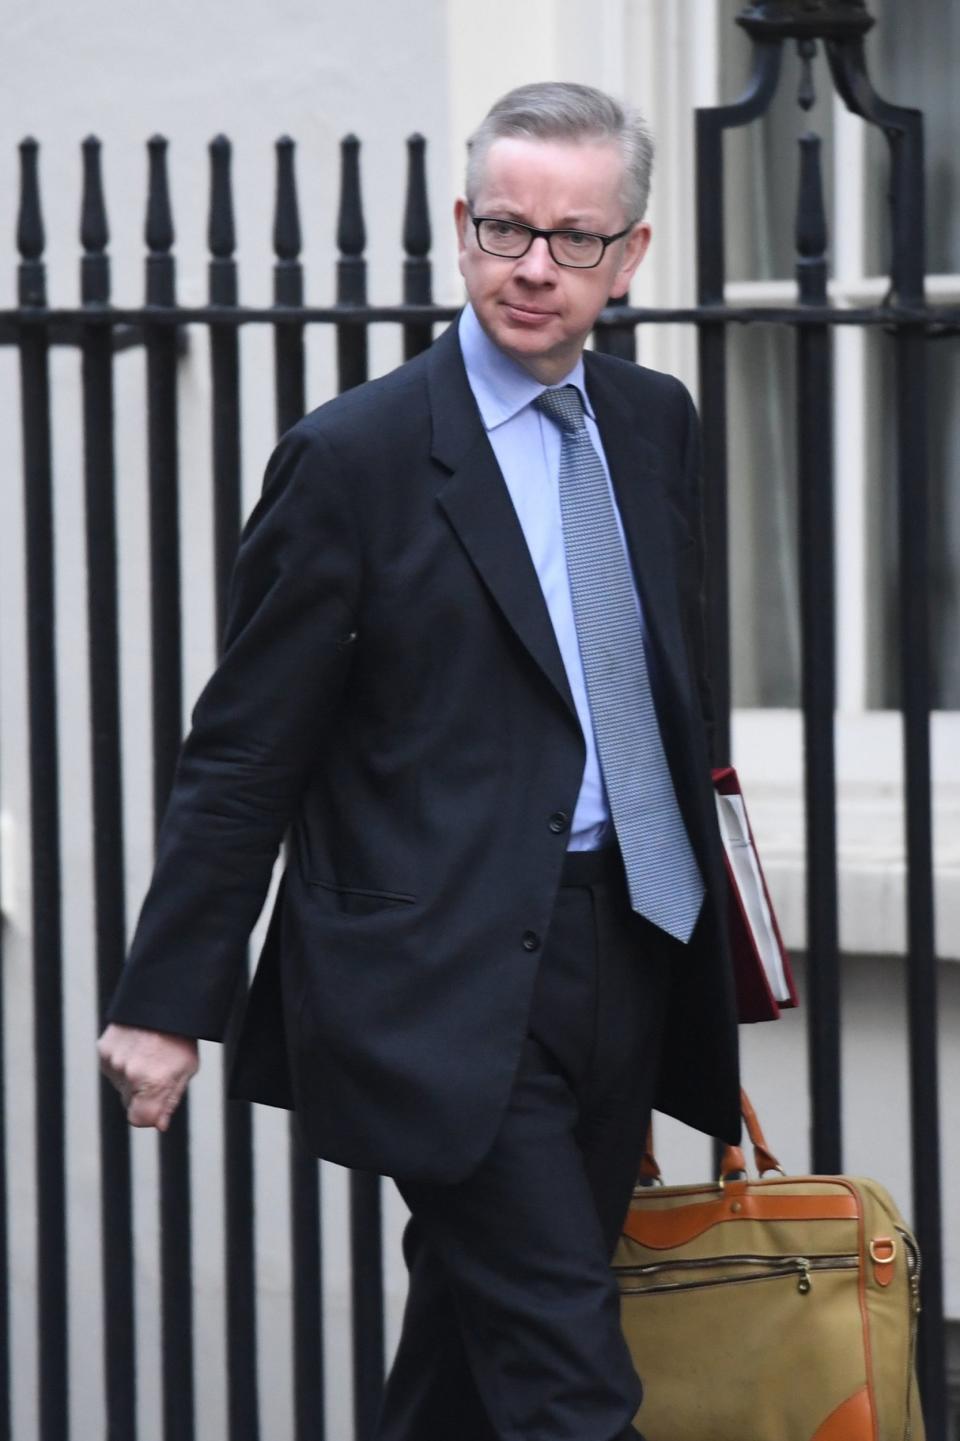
[(527, 446)]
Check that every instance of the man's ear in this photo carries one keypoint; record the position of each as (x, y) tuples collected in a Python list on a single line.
[(461, 219), (635, 246)]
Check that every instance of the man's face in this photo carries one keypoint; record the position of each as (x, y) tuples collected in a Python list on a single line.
[(538, 312)]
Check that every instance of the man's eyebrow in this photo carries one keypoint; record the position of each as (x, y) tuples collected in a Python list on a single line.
[(569, 222)]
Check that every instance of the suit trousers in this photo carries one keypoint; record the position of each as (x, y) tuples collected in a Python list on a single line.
[(511, 1330)]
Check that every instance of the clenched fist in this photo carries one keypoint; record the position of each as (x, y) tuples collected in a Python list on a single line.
[(150, 1069)]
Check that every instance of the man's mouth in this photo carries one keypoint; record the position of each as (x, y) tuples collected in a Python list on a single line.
[(527, 311)]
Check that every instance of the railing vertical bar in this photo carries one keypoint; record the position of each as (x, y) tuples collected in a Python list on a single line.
[(305, 1212), (417, 281), (5, 1417), (239, 1242), (710, 124), (53, 1378), (818, 646), (619, 340), (909, 260), (915, 682), (107, 784), (713, 422), (908, 196), (366, 1246), (712, 366), (167, 681), (225, 374), (308, 1368), (903, 130), (366, 1257)]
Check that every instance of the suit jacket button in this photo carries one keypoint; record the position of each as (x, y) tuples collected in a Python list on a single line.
[(559, 822), (530, 941)]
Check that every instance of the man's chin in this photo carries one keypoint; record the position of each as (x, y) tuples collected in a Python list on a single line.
[(528, 340)]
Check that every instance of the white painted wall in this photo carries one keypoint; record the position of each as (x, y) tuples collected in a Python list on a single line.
[(316, 70)]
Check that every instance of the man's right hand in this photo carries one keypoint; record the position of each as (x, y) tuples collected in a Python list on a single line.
[(150, 1069)]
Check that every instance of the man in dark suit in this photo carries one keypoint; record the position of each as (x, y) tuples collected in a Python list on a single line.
[(464, 672)]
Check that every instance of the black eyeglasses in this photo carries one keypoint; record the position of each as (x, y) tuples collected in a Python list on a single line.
[(511, 238)]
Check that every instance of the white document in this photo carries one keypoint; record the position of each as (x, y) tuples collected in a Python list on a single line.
[(732, 815)]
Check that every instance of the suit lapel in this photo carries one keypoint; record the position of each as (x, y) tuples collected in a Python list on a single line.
[(477, 504)]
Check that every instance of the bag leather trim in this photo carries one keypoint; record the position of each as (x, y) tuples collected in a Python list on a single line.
[(851, 1421), (661, 1230)]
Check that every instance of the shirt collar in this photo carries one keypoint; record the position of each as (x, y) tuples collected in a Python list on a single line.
[(501, 386)]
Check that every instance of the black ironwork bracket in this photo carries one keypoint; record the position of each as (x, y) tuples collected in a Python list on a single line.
[(806, 19)]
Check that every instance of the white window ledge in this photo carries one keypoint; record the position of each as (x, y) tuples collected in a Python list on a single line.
[(768, 753)]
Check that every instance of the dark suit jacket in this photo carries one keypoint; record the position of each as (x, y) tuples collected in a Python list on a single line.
[(391, 692)]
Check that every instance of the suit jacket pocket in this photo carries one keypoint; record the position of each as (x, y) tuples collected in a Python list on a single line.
[(358, 900)]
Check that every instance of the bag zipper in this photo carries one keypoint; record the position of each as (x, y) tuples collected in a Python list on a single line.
[(913, 1277), (774, 1266)]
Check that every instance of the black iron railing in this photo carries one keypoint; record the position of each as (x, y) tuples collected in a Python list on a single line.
[(100, 330)]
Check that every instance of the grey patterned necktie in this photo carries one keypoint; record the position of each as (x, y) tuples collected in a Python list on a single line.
[(662, 873)]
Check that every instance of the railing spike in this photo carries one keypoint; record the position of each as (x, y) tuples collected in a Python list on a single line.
[(94, 231), (221, 235), (417, 279), (160, 285), (32, 273), (286, 222), (158, 230), (352, 358), (416, 215), (30, 234), (351, 233)]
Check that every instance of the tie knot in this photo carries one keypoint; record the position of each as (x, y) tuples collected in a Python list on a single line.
[(563, 405)]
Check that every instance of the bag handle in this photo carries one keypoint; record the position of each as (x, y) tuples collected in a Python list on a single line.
[(732, 1162), (763, 1157)]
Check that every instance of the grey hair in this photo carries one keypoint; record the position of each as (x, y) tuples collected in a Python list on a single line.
[(555, 110)]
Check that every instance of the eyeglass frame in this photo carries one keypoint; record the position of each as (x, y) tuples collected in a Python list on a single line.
[(536, 234)]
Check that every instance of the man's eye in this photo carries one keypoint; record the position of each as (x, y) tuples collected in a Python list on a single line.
[(576, 238), (503, 228)]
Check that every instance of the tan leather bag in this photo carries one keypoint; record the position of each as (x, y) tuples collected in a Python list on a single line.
[(782, 1309)]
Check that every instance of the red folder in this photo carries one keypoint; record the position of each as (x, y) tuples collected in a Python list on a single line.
[(762, 971)]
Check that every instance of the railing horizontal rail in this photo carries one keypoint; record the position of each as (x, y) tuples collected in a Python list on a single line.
[(64, 323)]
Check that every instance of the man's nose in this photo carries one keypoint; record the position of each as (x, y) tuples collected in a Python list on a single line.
[(538, 265)]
